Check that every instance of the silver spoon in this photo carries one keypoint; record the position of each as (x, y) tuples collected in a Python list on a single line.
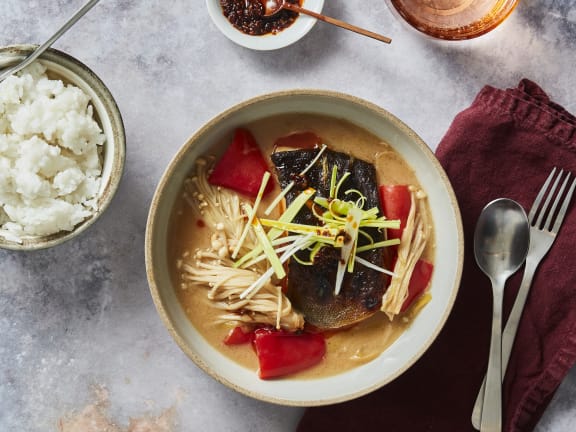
[(501, 243), (272, 7), (38, 52)]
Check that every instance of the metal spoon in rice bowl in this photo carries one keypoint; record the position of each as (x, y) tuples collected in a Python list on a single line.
[(38, 52)]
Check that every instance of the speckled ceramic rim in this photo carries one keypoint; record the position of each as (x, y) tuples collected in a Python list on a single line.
[(302, 391), (286, 37), (114, 151)]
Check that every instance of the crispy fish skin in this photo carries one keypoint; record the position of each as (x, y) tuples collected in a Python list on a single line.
[(311, 288)]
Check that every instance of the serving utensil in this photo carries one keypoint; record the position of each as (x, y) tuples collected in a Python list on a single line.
[(542, 236), (501, 242), (38, 52), (272, 7)]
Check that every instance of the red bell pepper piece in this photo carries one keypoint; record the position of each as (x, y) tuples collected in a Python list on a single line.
[(242, 166), (282, 353), (237, 336), (418, 282), (396, 201)]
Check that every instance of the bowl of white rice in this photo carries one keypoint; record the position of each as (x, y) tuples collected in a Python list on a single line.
[(62, 149)]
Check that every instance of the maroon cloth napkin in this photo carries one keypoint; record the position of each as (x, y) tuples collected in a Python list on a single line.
[(504, 145)]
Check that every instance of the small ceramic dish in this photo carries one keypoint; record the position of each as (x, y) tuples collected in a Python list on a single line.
[(106, 113), (404, 351), (288, 36)]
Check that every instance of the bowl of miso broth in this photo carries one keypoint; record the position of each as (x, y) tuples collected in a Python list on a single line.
[(293, 247)]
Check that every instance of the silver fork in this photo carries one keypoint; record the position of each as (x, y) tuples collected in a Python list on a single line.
[(542, 235)]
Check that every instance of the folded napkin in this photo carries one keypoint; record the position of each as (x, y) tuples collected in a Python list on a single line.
[(504, 145)]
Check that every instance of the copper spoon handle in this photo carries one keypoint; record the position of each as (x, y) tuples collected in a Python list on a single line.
[(337, 22)]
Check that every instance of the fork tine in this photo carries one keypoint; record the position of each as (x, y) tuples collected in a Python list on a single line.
[(549, 196), (552, 211), (564, 207), (536, 205)]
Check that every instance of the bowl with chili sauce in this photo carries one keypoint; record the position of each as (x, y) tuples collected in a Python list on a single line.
[(243, 22)]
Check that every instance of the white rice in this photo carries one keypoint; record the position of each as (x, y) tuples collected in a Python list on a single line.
[(49, 164)]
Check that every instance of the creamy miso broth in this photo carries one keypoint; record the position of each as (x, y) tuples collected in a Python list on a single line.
[(346, 349)]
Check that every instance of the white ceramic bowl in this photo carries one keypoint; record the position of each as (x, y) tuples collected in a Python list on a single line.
[(72, 71), (288, 36), (407, 348)]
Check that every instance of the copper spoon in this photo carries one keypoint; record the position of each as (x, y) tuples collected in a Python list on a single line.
[(272, 7)]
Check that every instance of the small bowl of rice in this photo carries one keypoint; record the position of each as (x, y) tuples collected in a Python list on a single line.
[(62, 149)]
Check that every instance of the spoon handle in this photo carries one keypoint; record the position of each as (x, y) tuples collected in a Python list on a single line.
[(337, 22), (508, 334), (491, 419), (81, 12)]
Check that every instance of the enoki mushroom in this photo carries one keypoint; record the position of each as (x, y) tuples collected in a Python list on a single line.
[(213, 269), (412, 245)]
